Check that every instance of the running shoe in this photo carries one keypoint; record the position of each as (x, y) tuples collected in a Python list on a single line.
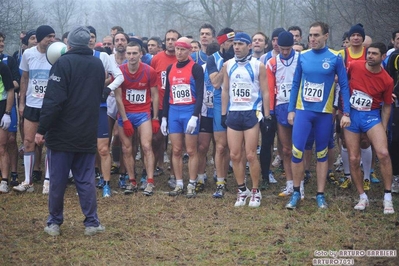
[(362, 204), (255, 198), (24, 187), (388, 207), (321, 202), (287, 191), (92, 230), (149, 190), (272, 180), (172, 182), (14, 180), (52, 229), (199, 187), (242, 197), (331, 178), (374, 179), (100, 183), (143, 183), (191, 191), (295, 197), (130, 189), (176, 192), (106, 191), (4, 187), (346, 184), (220, 190), (122, 181)]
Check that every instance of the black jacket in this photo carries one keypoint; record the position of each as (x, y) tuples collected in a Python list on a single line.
[(70, 111)]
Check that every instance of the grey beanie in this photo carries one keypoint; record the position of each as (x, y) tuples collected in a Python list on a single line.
[(79, 36)]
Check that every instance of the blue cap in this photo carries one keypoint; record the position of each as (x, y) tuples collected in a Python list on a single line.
[(285, 39), (358, 28), (242, 37)]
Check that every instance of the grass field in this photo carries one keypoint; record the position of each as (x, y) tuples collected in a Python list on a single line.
[(162, 230)]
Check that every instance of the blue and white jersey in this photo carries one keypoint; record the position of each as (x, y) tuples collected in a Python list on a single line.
[(215, 64), (36, 64), (208, 99), (199, 57), (244, 87)]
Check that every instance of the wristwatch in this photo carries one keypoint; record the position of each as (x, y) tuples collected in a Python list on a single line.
[(268, 117), (346, 114), (7, 112)]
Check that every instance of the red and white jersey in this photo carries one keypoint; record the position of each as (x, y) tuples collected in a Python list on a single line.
[(280, 74), (136, 89)]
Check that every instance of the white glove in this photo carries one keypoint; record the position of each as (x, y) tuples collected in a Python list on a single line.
[(5, 121), (164, 124), (192, 125)]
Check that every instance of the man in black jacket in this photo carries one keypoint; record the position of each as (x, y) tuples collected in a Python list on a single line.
[(68, 125)]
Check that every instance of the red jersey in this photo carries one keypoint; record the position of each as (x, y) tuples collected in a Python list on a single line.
[(136, 89), (160, 62), (368, 90), (182, 84)]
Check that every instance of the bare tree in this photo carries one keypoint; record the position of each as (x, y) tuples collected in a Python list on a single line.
[(62, 12)]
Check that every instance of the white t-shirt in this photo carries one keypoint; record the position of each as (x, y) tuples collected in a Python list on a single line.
[(38, 67)]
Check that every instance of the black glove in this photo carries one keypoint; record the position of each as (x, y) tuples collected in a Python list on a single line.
[(229, 54), (267, 124), (106, 92), (223, 122)]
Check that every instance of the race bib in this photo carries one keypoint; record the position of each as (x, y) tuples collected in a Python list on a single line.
[(361, 101), (208, 99), (284, 92), (136, 96), (39, 88), (313, 92), (163, 79), (241, 92), (181, 93)]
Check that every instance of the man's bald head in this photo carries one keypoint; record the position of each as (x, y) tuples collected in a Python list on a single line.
[(183, 49), (183, 42)]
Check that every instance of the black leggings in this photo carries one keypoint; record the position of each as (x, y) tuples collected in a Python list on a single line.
[(266, 148)]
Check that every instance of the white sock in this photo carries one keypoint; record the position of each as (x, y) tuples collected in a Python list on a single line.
[(301, 185), (388, 196), (366, 155), (363, 196), (179, 183), (29, 162), (345, 160), (201, 178), (290, 184)]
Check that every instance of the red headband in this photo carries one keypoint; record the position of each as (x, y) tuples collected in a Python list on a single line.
[(222, 38), (183, 44)]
